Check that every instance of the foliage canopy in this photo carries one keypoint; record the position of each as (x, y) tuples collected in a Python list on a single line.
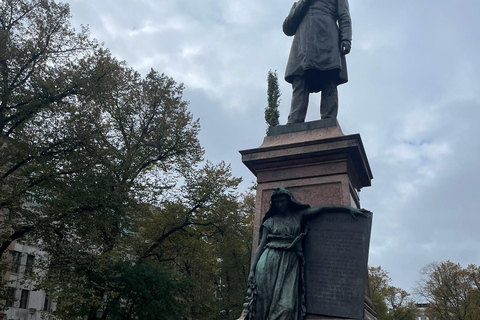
[(102, 169), (451, 291), (390, 303)]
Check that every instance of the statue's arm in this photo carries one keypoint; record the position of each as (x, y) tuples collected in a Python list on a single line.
[(258, 254), (314, 211), (344, 25), (295, 16)]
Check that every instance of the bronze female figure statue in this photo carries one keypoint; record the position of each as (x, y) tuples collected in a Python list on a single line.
[(276, 283)]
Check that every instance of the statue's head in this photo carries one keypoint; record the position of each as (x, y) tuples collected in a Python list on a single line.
[(283, 199)]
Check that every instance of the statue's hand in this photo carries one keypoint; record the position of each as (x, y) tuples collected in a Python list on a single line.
[(251, 279), (251, 285), (345, 47), (354, 212), (365, 211)]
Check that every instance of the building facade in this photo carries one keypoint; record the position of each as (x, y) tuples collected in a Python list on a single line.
[(25, 302), (421, 309)]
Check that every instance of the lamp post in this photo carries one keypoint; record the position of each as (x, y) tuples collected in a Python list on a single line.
[(99, 313)]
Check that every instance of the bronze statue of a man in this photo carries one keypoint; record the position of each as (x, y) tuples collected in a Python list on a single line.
[(323, 36)]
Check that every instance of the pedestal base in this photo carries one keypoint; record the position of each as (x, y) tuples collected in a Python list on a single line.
[(320, 166)]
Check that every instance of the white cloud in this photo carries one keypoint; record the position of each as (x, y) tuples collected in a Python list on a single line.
[(241, 12)]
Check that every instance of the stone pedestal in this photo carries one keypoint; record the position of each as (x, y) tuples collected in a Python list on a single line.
[(317, 162)]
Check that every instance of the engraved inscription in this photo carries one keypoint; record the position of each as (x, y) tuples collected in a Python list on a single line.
[(335, 269), (336, 253)]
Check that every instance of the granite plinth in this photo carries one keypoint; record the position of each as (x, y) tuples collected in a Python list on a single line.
[(284, 157), (321, 166)]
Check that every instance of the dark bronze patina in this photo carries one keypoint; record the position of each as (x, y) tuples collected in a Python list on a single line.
[(277, 284), (322, 31)]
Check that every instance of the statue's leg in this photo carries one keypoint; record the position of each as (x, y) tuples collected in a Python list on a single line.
[(329, 104), (298, 110)]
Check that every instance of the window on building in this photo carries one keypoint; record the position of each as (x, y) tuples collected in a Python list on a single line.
[(47, 303), (16, 256), (29, 264), (10, 296), (24, 299)]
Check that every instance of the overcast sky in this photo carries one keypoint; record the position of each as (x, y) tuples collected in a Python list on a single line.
[(413, 95)]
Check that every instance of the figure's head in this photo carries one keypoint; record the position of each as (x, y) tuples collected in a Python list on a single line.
[(281, 201)]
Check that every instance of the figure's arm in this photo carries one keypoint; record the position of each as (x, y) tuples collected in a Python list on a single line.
[(345, 26), (258, 254), (313, 211), (295, 16)]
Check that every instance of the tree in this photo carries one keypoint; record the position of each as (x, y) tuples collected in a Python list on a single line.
[(235, 251), (46, 68), (390, 303), (474, 272), (450, 290), (273, 92), (102, 169), (215, 257), (400, 306), (47, 74), (379, 281), (137, 148), (145, 291)]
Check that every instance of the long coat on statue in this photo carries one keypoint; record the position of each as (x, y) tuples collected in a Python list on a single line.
[(319, 26)]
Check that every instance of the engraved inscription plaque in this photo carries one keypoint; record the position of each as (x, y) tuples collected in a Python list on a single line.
[(336, 258)]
